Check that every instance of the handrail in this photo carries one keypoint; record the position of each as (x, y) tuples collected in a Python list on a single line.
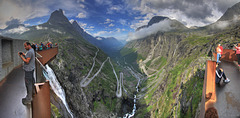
[(41, 101), (47, 55), (209, 91), (41, 64), (227, 55), (38, 55)]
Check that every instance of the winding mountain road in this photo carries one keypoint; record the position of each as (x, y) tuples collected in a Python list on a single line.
[(86, 80)]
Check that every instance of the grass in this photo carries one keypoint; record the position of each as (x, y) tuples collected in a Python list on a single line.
[(197, 40), (56, 111), (126, 51), (193, 87)]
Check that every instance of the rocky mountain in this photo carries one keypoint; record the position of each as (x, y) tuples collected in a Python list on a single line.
[(73, 62), (12, 26), (109, 45), (174, 62), (176, 25), (231, 13)]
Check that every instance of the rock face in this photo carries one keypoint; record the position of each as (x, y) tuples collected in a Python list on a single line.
[(174, 24), (73, 62), (174, 62), (231, 13), (109, 45)]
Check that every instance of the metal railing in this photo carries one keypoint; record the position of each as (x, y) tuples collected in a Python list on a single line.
[(41, 101), (209, 89)]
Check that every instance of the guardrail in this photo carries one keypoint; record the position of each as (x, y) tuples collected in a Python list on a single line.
[(47, 55), (227, 55), (41, 101), (209, 89)]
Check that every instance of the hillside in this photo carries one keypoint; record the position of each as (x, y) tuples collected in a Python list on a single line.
[(73, 62), (174, 62)]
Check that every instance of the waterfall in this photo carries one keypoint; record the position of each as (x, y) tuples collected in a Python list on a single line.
[(129, 115), (56, 87)]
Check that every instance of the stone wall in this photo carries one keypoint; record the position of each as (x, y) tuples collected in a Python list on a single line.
[(9, 58)]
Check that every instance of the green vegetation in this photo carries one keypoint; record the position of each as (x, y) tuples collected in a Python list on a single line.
[(126, 51), (56, 111), (193, 87), (197, 40)]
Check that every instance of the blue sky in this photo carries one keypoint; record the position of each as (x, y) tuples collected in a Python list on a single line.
[(113, 18)]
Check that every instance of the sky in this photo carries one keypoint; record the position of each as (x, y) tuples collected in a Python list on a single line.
[(113, 18)]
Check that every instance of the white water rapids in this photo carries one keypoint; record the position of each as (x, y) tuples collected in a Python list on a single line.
[(56, 87), (129, 115)]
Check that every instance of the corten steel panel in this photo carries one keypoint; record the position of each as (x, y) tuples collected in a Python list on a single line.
[(41, 102), (209, 90), (210, 97), (202, 110), (48, 55), (228, 55)]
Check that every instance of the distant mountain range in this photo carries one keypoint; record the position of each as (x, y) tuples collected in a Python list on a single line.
[(59, 23), (175, 60), (73, 62)]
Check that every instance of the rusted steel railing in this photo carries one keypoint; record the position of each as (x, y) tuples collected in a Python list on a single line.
[(227, 55), (41, 101), (209, 89), (47, 55)]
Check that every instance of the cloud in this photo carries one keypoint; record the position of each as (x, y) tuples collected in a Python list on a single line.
[(57, 31), (116, 8), (221, 24), (111, 25), (13, 21), (107, 21), (189, 12), (41, 28), (164, 25), (71, 21), (99, 33), (81, 15), (103, 2), (18, 30), (123, 21), (28, 9), (99, 38)]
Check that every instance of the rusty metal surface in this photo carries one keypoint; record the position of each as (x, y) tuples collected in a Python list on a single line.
[(202, 110), (11, 93), (210, 85), (208, 88), (41, 102), (48, 55), (228, 55)]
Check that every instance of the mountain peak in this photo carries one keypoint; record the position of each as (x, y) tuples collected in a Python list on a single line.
[(231, 13), (156, 19), (58, 17)]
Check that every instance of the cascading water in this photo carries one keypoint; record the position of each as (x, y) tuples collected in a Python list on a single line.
[(56, 87), (129, 115)]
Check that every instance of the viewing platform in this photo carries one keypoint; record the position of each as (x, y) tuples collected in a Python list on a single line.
[(12, 87), (225, 98)]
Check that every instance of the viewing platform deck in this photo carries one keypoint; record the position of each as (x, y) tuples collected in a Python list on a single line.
[(225, 98), (12, 90)]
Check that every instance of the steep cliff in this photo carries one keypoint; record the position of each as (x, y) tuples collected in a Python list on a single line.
[(174, 62), (72, 64)]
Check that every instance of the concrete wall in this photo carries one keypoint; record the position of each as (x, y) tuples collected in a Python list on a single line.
[(6, 51), (9, 58), (0, 59)]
